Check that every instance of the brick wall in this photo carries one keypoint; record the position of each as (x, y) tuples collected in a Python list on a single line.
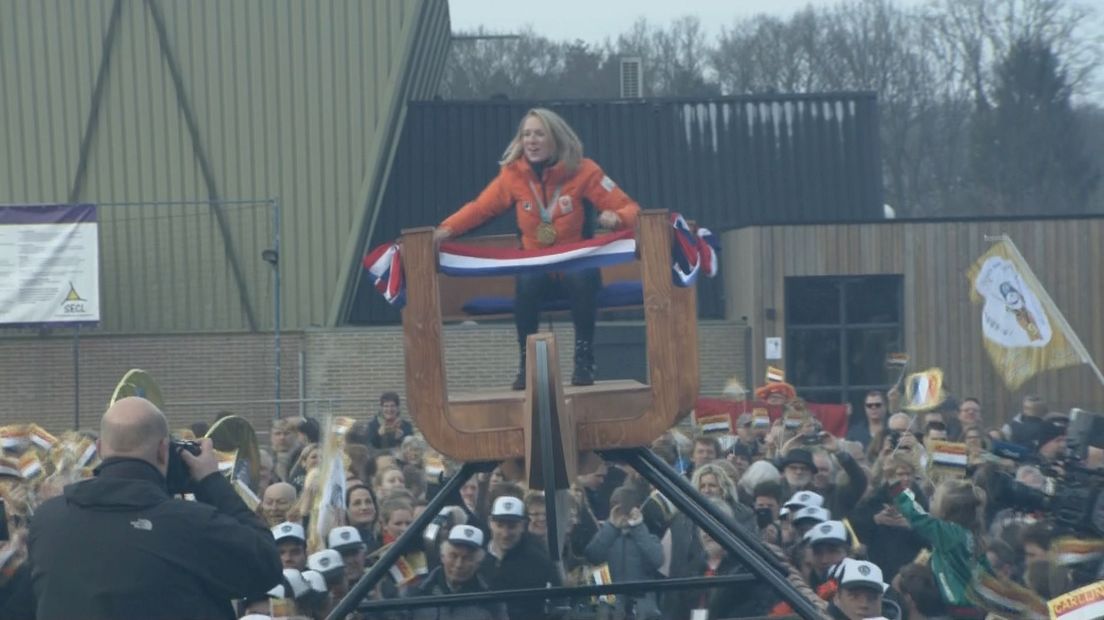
[(362, 363), (37, 378), (350, 365)]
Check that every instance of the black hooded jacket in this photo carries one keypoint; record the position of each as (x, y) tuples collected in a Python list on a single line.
[(119, 546)]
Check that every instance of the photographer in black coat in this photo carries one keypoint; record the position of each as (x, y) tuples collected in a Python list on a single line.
[(119, 546)]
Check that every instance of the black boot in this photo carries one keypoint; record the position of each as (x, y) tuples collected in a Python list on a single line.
[(519, 380), (584, 363)]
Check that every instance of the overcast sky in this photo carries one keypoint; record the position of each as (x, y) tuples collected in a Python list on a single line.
[(594, 20)]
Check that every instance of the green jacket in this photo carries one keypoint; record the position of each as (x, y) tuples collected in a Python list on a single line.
[(953, 550)]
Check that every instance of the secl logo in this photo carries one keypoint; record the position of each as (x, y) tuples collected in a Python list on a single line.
[(73, 302)]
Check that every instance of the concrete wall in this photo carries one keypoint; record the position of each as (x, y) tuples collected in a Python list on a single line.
[(346, 368)]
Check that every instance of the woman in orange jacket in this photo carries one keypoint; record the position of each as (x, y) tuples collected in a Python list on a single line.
[(553, 189)]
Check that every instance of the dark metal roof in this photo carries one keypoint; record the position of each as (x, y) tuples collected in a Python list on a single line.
[(723, 162)]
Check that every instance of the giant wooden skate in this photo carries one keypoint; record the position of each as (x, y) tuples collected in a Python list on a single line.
[(501, 425), (549, 424)]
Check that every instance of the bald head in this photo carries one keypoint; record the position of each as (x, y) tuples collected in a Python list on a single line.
[(899, 422), (133, 427)]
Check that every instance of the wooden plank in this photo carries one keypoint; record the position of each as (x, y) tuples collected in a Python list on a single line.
[(426, 384), (654, 249), (684, 308)]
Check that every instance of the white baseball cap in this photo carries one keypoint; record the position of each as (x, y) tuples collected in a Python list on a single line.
[(851, 573), (256, 617), (316, 582), (288, 529), (345, 538), (507, 507), (294, 578), (814, 513), (829, 531), (801, 499), (466, 535), (277, 592), (327, 562)]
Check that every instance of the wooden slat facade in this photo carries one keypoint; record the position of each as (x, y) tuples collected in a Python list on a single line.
[(941, 326)]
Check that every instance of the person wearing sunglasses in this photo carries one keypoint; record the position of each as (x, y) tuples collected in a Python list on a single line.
[(874, 408)]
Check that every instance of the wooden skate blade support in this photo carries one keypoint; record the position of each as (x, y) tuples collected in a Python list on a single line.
[(501, 424)]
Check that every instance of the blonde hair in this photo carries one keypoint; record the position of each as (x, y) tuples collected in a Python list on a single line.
[(728, 487), (568, 147), (963, 503)]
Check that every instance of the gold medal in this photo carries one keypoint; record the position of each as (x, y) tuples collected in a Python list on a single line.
[(546, 234)]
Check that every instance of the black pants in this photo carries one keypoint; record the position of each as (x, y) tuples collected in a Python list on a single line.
[(581, 287)]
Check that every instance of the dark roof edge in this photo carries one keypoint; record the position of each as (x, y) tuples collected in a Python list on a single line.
[(968, 219), (760, 98)]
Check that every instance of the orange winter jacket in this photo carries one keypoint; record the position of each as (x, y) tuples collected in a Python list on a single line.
[(515, 185)]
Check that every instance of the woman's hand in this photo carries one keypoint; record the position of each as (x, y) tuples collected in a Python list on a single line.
[(609, 219), (440, 234)]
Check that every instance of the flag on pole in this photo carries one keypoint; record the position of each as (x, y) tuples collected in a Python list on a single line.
[(775, 375), (1024, 332), (924, 390), (328, 509)]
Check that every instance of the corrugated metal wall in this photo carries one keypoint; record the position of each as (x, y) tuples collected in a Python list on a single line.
[(287, 99), (942, 327), (725, 163)]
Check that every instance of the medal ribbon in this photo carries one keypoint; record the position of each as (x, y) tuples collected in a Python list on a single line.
[(545, 212)]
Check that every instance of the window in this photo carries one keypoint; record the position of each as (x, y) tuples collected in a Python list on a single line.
[(838, 333)]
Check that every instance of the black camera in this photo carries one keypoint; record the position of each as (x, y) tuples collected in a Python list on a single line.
[(815, 436), (764, 517), (178, 477), (1077, 503), (895, 438)]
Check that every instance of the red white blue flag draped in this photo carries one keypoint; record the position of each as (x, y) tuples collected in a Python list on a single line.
[(692, 253)]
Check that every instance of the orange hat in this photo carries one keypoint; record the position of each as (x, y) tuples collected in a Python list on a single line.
[(785, 389)]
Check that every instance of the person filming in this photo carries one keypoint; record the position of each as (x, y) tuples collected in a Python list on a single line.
[(553, 189), (119, 546)]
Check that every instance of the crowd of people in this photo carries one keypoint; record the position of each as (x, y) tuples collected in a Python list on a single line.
[(872, 525)]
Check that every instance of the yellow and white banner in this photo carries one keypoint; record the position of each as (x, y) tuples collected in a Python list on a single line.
[(1085, 603), (1024, 332), (328, 508)]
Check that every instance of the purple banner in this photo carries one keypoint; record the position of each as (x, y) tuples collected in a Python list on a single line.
[(47, 214)]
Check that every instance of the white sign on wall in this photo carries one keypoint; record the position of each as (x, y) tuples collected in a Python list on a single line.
[(774, 348), (49, 265)]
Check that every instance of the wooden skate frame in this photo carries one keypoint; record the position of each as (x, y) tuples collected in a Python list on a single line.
[(503, 424), (549, 423)]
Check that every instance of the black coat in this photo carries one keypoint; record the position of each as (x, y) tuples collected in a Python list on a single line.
[(118, 546), (888, 547), (527, 565), (435, 585), (387, 442)]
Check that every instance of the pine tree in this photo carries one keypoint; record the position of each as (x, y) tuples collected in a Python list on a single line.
[(1029, 156)]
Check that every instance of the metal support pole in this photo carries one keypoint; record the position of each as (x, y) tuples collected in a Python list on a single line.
[(559, 592), (740, 544), (414, 532), (76, 378), (544, 394), (276, 298), (302, 383)]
